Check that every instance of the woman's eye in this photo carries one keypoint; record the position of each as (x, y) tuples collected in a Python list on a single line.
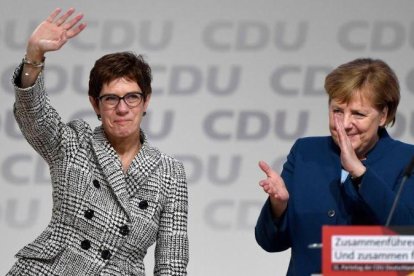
[(133, 97), (110, 98)]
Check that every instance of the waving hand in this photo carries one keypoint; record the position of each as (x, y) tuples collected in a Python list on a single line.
[(53, 33), (50, 35)]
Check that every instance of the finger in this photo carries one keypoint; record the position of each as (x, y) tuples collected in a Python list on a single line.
[(73, 32), (266, 168), (264, 183), (267, 189), (72, 22), (340, 130), (338, 123), (345, 142), (53, 15), (65, 16)]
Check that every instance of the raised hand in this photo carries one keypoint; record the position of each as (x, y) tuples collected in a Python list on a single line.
[(275, 187), (349, 160), (53, 33), (50, 35)]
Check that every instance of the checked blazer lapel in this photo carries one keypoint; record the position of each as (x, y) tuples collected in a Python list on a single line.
[(125, 186), (141, 168), (111, 167)]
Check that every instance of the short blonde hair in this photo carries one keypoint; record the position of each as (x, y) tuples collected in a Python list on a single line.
[(349, 79)]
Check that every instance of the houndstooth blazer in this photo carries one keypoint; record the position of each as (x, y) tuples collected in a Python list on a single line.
[(103, 220)]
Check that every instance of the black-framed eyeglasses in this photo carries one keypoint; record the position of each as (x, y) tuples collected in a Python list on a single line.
[(132, 99)]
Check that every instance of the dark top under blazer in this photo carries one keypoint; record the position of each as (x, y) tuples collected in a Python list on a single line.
[(103, 220), (312, 174)]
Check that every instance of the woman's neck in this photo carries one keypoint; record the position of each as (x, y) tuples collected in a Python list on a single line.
[(127, 149)]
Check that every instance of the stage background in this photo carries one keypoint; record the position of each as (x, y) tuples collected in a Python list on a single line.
[(234, 82)]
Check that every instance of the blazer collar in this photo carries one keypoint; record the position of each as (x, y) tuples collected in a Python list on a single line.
[(380, 148), (125, 185)]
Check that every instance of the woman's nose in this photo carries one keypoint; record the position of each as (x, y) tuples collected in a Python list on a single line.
[(122, 106), (347, 121)]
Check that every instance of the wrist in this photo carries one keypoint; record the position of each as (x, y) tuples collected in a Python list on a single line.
[(37, 63), (357, 171), (356, 180), (34, 52), (358, 174), (278, 207)]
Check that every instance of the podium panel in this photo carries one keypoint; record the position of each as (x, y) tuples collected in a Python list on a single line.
[(367, 250)]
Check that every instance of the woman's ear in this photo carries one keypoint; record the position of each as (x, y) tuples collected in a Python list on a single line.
[(384, 117), (95, 104), (146, 103)]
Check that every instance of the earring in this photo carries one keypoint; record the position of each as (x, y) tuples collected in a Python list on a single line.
[(145, 113), (99, 116)]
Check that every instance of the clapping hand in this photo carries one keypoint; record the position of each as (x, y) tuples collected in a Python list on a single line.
[(275, 187)]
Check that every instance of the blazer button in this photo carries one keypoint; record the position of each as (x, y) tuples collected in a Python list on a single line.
[(89, 214), (105, 254), (143, 204), (331, 213), (96, 184), (124, 230), (85, 244)]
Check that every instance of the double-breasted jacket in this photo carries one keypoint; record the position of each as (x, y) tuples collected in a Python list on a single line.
[(103, 220)]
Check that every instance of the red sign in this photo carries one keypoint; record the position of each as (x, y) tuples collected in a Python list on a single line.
[(367, 250)]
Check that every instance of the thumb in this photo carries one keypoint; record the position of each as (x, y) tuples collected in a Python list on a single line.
[(266, 168)]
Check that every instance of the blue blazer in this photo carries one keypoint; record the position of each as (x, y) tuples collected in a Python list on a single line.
[(312, 174)]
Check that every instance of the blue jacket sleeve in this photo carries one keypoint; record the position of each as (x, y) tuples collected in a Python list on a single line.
[(379, 197), (273, 234)]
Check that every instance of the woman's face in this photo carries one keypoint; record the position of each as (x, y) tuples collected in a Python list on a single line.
[(121, 121), (360, 121)]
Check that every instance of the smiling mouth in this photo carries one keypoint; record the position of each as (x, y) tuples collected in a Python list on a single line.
[(121, 122)]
